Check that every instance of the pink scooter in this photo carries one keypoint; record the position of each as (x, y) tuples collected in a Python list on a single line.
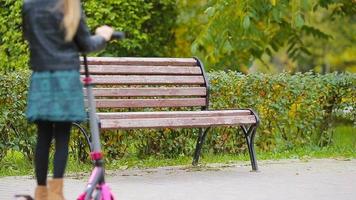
[(96, 188)]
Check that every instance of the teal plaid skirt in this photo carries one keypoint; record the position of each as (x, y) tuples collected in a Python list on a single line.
[(56, 96)]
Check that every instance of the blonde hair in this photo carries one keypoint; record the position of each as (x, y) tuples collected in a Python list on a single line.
[(71, 12)]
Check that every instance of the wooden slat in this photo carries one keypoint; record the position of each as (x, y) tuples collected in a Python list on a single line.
[(187, 122), (147, 80), (148, 92), (142, 70), (173, 114), (141, 61), (149, 103)]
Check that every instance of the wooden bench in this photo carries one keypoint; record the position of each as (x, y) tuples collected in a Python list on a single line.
[(163, 83)]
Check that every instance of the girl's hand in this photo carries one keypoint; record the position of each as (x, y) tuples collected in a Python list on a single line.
[(105, 31)]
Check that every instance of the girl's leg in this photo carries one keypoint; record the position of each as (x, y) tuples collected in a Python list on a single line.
[(61, 135), (44, 138)]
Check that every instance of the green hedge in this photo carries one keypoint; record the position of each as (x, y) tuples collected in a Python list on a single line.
[(148, 25), (15, 132), (295, 110)]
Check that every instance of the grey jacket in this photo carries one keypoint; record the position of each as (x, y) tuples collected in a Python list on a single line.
[(43, 30)]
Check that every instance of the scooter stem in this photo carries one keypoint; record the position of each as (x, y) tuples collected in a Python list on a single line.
[(93, 118)]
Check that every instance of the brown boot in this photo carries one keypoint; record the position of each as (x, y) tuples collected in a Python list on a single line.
[(41, 193), (55, 189)]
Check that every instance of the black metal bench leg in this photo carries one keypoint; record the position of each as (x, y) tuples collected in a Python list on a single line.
[(250, 137), (199, 145)]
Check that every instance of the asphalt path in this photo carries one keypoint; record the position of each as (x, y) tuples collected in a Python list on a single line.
[(317, 179)]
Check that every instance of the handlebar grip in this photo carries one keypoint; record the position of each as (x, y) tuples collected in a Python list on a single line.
[(118, 35)]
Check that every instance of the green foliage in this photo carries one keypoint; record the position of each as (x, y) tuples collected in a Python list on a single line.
[(148, 25), (256, 28), (15, 132), (14, 163), (344, 136), (13, 50), (338, 53), (190, 21), (339, 7), (295, 110)]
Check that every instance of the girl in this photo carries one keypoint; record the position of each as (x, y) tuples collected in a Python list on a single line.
[(56, 32)]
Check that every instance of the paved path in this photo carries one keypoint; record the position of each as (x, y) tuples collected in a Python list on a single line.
[(277, 180)]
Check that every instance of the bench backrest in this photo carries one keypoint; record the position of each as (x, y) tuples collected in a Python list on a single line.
[(148, 82)]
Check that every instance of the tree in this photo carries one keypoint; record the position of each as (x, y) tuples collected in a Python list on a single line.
[(335, 54), (240, 31)]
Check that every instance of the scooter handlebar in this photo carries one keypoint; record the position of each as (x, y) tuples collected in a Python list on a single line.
[(118, 35)]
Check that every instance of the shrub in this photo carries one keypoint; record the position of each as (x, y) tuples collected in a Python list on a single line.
[(15, 132), (13, 50), (295, 110), (148, 25)]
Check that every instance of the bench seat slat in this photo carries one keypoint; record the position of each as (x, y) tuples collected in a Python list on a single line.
[(173, 114), (148, 70), (148, 92), (184, 122), (150, 103), (141, 61), (147, 80)]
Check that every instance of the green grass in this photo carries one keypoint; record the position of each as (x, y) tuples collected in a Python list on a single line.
[(343, 147), (345, 136), (15, 164)]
